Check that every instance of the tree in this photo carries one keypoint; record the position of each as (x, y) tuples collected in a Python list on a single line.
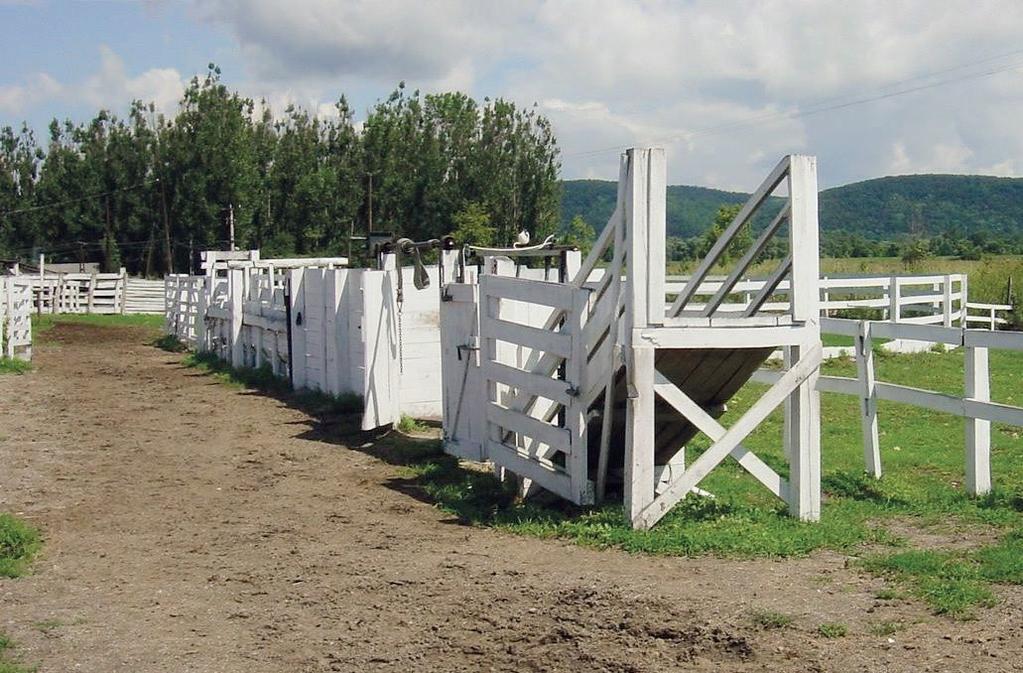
[(743, 238), (579, 233), (472, 226)]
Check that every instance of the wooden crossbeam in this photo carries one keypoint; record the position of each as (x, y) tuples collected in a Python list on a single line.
[(707, 424), (712, 457)]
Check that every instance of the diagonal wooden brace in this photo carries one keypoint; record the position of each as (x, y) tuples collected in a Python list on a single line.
[(807, 365), (707, 424)]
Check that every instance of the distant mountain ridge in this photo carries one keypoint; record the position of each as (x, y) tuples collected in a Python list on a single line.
[(882, 208)]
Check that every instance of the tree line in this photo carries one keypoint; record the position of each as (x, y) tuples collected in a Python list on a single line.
[(150, 190)]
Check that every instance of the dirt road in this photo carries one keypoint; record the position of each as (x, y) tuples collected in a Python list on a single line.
[(193, 527)]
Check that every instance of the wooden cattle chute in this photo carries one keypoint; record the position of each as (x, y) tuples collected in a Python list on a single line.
[(975, 405), (575, 379), (15, 318), (337, 330)]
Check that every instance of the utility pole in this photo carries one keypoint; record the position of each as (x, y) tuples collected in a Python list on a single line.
[(369, 227), (230, 224), (191, 256)]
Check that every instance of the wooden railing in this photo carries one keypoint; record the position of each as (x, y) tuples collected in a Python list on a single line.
[(974, 404)]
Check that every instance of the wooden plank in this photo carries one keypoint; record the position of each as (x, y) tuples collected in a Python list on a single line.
[(723, 337), (927, 399), (540, 471), (784, 268), (558, 343), (998, 340), (540, 292), (517, 422), (932, 333), (527, 382)]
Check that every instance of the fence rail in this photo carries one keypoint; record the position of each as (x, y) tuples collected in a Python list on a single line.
[(974, 405), (105, 293)]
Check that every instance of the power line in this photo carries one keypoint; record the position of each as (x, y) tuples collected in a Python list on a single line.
[(818, 107), (87, 197)]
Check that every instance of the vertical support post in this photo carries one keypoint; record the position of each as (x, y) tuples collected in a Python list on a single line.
[(803, 421), (124, 289), (235, 289), (202, 305), (639, 432), (964, 309), (946, 311), (575, 412), (803, 411), (11, 318), (868, 400), (978, 431), (894, 308), (92, 292), (656, 186)]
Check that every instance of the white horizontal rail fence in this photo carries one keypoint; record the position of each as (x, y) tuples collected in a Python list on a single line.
[(142, 295), (82, 293), (931, 299), (990, 315), (15, 317), (974, 405)]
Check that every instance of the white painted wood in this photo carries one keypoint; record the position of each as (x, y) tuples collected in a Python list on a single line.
[(757, 198), (655, 186), (715, 431), (868, 400), (978, 431), (639, 437)]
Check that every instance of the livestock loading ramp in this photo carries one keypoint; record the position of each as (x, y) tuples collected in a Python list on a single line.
[(566, 385)]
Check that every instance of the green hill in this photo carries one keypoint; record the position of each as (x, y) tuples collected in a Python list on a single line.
[(883, 208)]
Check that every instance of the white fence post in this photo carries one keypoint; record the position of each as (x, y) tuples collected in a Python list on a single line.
[(868, 400), (964, 311), (235, 288), (946, 312), (978, 431), (894, 308)]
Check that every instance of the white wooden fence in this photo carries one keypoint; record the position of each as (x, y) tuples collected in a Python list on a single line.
[(104, 293), (974, 405), (15, 318), (340, 331)]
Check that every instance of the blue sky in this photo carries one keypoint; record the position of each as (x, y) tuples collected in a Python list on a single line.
[(725, 87)]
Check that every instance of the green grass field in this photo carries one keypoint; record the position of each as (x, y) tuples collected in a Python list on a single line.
[(46, 321)]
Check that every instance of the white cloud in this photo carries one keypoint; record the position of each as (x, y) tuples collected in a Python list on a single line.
[(109, 87), (716, 83)]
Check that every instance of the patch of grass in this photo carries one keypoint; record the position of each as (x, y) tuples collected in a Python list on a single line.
[(886, 628), (46, 321), (410, 425), (170, 343), (832, 630), (18, 544), (263, 379), (954, 583), (14, 366), (770, 619), (47, 626), (8, 664)]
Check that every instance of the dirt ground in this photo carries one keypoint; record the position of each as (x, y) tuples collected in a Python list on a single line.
[(192, 527)]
